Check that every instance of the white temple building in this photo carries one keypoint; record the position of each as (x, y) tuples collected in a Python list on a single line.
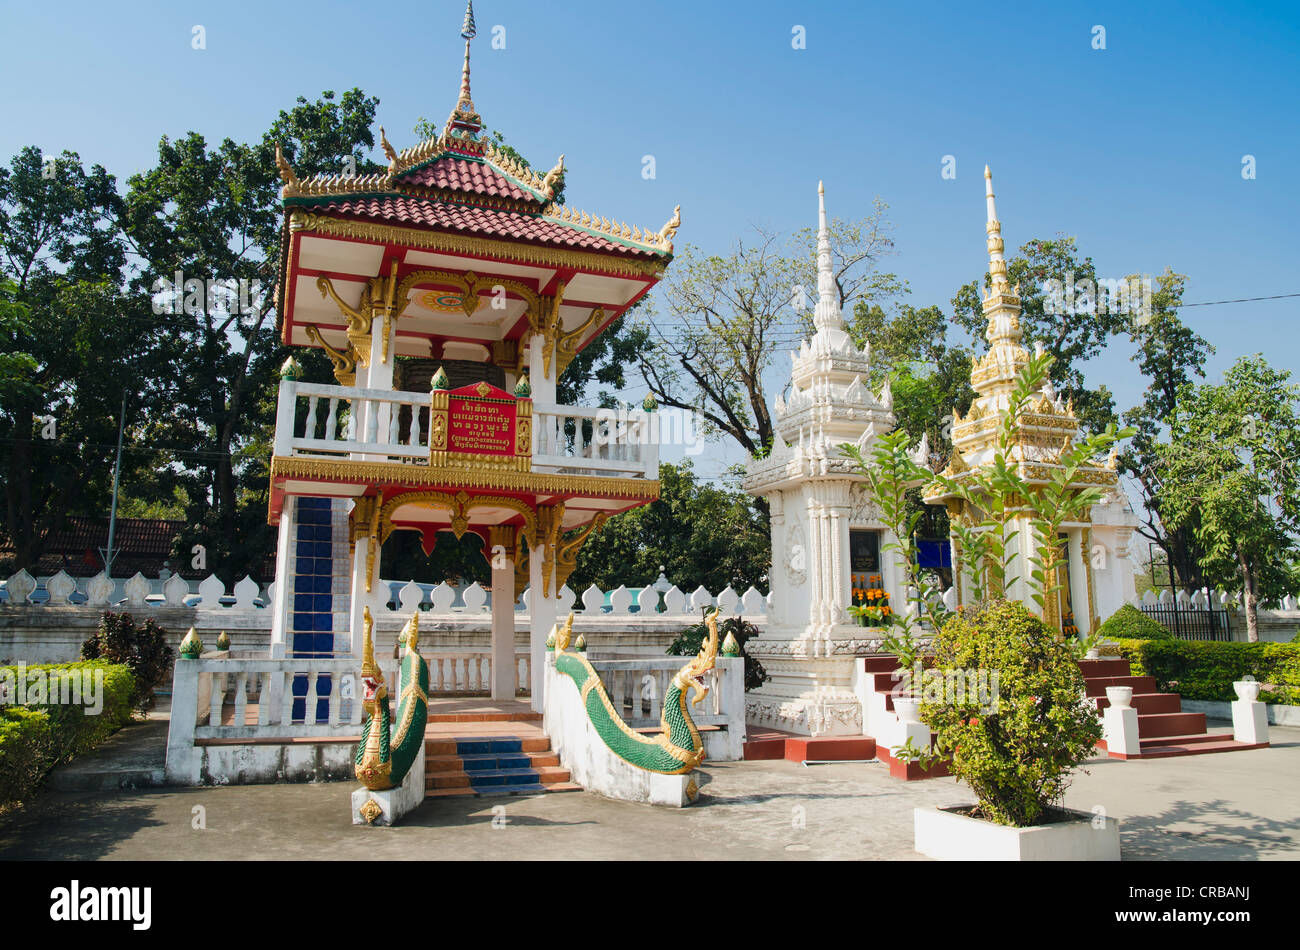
[(826, 539)]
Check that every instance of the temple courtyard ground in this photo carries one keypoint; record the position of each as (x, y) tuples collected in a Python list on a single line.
[(1236, 806)]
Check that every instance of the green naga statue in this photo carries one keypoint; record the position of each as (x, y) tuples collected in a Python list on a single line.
[(383, 759), (678, 747)]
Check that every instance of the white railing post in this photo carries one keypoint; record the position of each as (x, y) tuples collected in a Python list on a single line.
[(182, 765), (284, 417)]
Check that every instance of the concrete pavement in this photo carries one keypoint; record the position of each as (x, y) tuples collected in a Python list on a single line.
[(1242, 805)]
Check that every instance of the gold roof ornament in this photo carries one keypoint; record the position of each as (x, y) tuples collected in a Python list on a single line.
[(286, 173), (553, 178), (389, 152)]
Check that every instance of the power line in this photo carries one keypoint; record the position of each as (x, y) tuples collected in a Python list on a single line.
[(1215, 303)]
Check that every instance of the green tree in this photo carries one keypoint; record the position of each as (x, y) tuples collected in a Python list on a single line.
[(1072, 334), (701, 533), (1231, 469), (73, 345), (726, 318), (1170, 355), (213, 213)]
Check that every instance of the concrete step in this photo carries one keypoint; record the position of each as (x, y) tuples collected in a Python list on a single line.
[(1096, 686), (1106, 666), (1164, 747), (499, 791), (1159, 725), (1146, 703), (794, 748), (881, 663), (487, 779)]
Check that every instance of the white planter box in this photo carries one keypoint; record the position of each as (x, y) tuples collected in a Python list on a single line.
[(947, 836)]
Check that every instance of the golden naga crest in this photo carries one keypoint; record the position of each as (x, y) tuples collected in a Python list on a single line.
[(372, 678), (693, 673), (564, 634)]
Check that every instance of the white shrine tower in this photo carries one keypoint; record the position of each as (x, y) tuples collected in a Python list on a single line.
[(827, 542)]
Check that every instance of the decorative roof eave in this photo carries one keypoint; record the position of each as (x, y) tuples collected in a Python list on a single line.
[(659, 242), (385, 184), (496, 248)]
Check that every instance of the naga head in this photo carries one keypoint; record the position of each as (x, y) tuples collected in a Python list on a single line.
[(410, 635), (372, 679), (692, 674), (563, 635)]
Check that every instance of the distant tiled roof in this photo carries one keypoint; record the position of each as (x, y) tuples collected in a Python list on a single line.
[(459, 174), (143, 544), (470, 220)]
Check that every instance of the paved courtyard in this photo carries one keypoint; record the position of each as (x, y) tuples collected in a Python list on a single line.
[(1237, 806)]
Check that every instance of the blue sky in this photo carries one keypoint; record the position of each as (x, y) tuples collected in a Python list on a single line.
[(1135, 149)]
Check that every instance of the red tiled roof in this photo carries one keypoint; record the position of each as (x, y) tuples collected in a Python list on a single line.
[(488, 222), (459, 174)]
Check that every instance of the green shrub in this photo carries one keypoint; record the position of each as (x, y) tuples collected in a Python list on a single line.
[(1017, 754), (1206, 670), (691, 640), (144, 649), (24, 751), (1129, 623), (45, 732)]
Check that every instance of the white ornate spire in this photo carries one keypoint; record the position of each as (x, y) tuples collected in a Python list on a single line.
[(827, 315), (997, 263)]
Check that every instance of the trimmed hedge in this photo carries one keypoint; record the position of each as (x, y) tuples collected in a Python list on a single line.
[(36, 737), (1129, 623), (1207, 670)]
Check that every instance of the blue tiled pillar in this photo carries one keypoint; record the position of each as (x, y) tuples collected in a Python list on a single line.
[(313, 608)]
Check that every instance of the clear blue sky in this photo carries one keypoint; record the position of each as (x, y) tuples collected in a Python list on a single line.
[(1135, 149)]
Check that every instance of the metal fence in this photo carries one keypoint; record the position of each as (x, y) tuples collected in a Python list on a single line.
[(1191, 623)]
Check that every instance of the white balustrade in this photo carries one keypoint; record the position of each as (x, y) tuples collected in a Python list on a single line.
[(373, 426), (636, 689), (580, 440)]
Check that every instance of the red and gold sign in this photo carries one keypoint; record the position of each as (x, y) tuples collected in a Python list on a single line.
[(481, 425)]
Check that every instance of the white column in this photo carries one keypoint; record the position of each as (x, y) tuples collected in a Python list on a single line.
[(541, 617), (778, 584), (285, 560), (357, 605), (543, 386), (503, 628)]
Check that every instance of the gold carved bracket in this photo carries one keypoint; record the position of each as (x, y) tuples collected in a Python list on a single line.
[(364, 522), (359, 318), (550, 521), (567, 344), (345, 361), (567, 556), (544, 320)]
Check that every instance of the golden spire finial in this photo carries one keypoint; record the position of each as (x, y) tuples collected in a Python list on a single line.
[(997, 263), (467, 31)]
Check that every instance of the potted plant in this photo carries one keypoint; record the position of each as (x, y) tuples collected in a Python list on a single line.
[(1016, 753)]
